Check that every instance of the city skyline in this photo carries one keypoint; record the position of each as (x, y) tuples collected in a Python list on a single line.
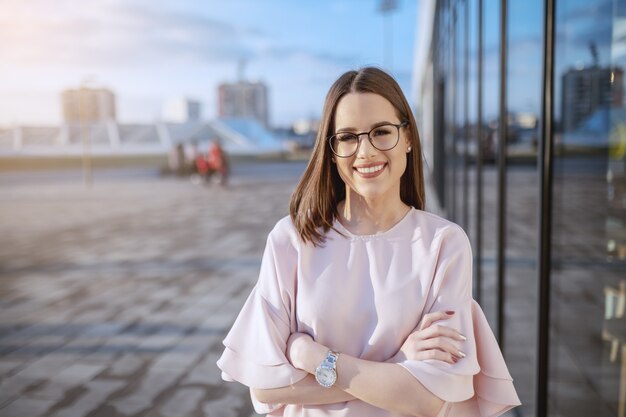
[(149, 54)]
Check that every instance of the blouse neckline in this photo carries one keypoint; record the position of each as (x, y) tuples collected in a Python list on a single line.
[(385, 233)]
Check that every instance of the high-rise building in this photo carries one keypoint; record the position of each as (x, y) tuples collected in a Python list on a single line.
[(586, 90), (244, 99), (88, 105), (182, 110)]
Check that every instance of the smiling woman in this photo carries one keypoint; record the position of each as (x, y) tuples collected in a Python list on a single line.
[(363, 305), (371, 169)]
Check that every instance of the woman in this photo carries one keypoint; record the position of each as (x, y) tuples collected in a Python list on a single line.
[(363, 305)]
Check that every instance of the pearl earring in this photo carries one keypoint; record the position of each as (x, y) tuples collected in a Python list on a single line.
[(408, 150)]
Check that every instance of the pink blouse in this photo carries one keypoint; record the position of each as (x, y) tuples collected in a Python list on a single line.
[(363, 295)]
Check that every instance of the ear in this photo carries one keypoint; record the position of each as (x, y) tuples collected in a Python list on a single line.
[(407, 138)]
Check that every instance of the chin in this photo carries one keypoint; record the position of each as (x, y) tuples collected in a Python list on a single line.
[(370, 192)]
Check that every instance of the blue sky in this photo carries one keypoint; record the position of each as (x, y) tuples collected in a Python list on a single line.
[(149, 52)]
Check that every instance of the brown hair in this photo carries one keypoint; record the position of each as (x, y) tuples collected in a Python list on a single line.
[(313, 206)]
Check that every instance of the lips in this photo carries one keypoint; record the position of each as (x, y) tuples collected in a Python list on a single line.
[(370, 170)]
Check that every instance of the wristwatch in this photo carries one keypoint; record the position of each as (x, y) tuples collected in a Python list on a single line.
[(326, 373)]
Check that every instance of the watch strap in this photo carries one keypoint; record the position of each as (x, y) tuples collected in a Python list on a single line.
[(331, 358)]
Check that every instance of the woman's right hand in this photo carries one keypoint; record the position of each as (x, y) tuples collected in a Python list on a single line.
[(433, 341)]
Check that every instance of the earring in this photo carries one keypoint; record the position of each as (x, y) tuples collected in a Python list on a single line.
[(408, 150), (333, 159)]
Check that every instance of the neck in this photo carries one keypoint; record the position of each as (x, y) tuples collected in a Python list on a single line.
[(370, 216)]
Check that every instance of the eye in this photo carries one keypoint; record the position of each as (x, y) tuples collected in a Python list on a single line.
[(381, 131), (345, 137)]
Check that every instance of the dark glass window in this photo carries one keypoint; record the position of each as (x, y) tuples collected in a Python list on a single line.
[(588, 337), (524, 82)]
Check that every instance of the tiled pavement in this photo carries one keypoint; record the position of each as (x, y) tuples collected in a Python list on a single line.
[(114, 300)]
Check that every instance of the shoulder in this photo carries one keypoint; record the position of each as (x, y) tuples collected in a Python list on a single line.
[(441, 232), (284, 234)]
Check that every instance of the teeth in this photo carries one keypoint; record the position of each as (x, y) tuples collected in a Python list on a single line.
[(369, 170)]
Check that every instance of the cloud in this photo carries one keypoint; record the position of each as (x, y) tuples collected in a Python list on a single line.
[(589, 10), (118, 34)]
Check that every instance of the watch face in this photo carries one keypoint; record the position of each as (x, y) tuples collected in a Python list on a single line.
[(326, 376)]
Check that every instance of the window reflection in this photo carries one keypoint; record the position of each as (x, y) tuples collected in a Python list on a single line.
[(614, 333), (588, 375)]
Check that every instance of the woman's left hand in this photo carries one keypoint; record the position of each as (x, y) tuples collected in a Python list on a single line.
[(297, 349)]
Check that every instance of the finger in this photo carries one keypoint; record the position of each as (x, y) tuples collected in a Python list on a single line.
[(437, 355), (445, 345), (430, 318), (442, 330), (442, 343)]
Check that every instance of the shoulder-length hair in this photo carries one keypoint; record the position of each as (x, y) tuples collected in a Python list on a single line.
[(313, 206)]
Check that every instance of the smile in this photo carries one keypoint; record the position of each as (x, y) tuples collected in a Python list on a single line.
[(370, 171)]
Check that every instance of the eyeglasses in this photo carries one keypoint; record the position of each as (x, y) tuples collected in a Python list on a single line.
[(383, 137)]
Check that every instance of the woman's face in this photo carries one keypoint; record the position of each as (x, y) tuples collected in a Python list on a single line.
[(370, 173)]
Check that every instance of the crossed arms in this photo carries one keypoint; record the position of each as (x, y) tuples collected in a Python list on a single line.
[(385, 385)]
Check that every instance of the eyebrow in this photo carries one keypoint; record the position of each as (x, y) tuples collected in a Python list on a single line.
[(375, 125)]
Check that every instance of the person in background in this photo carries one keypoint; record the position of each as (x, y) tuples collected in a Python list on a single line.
[(363, 306), (218, 162), (202, 165)]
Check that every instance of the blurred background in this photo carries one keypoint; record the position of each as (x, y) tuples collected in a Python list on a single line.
[(146, 150)]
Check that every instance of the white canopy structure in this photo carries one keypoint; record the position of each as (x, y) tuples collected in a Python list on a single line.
[(238, 137)]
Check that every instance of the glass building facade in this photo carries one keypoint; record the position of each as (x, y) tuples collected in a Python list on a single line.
[(521, 107)]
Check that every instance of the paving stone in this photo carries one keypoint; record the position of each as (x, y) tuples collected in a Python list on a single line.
[(48, 366), (73, 376), (229, 405), (103, 329), (29, 346), (8, 366), (25, 406), (125, 366), (180, 358), (12, 387), (160, 342), (183, 402), (206, 372), (151, 385), (97, 392)]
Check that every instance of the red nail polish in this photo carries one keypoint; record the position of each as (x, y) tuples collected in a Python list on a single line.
[(449, 312)]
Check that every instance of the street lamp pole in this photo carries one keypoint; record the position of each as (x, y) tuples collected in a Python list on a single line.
[(84, 135)]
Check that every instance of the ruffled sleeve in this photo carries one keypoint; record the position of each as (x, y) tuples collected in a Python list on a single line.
[(255, 347), (479, 384)]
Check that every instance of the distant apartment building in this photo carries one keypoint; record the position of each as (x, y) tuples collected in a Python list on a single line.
[(244, 99), (88, 105), (181, 110), (586, 90)]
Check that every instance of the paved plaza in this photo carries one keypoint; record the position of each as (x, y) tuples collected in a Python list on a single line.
[(114, 299)]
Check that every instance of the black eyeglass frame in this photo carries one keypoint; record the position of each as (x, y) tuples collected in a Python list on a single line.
[(358, 136)]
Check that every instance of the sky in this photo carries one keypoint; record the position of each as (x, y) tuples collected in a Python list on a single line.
[(149, 52)]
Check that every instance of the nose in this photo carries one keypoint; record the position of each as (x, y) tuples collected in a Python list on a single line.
[(365, 146)]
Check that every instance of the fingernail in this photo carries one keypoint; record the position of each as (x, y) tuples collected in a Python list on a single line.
[(461, 354), (449, 312), (463, 337)]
